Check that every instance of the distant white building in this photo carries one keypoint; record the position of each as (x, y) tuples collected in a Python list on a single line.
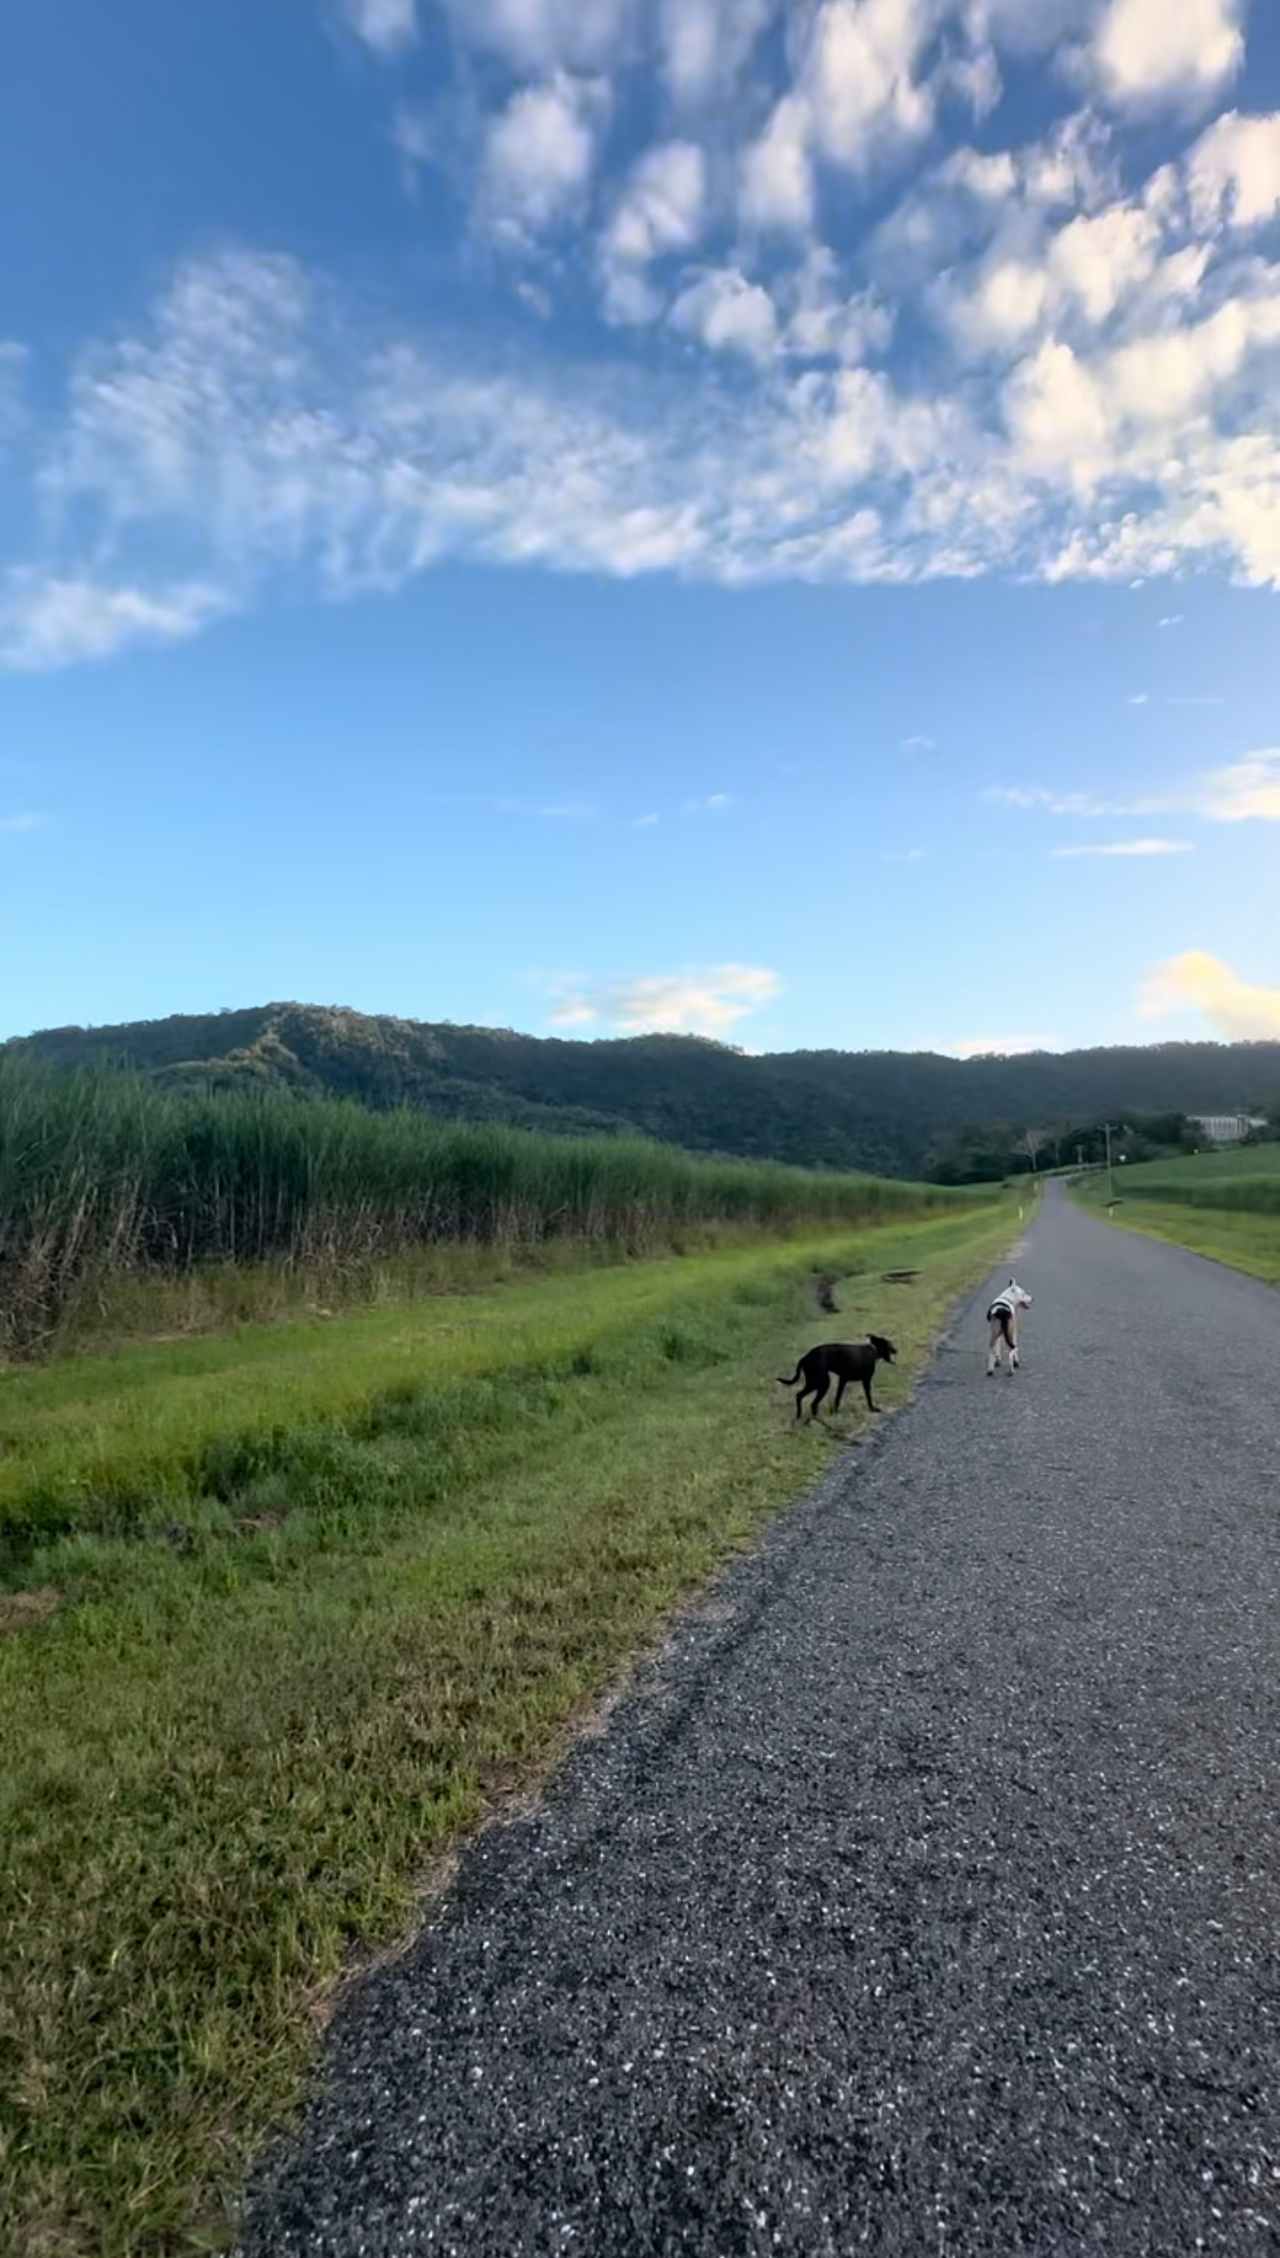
[(1226, 1128)]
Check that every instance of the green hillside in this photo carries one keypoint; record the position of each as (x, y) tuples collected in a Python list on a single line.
[(887, 1111)]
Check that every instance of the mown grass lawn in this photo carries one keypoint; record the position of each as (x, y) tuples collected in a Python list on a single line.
[(285, 1612)]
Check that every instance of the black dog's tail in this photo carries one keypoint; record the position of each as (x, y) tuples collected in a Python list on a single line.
[(794, 1377)]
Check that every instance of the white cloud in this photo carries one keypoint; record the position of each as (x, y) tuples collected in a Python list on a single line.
[(1127, 848), (574, 1014), (776, 188), (1099, 259), (1233, 1006), (823, 320), (1058, 417), (257, 430), (27, 819), (388, 26), (49, 622), (1233, 172), (711, 804), (538, 300), (413, 141), (1148, 52), (1005, 304), (728, 314), (546, 35), (540, 153), (13, 372), (692, 1003), (1053, 803), (705, 43), (859, 78), (662, 210), (644, 822), (1171, 619), (663, 207), (1141, 698), (1032, 27), (1247, 791), (551, 811), (919, 744), (996, 1046)]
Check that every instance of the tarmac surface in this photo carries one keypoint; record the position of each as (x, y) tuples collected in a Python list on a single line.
[(923, 1894)]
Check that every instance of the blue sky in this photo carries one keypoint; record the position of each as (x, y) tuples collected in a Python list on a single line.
[(599, 514)]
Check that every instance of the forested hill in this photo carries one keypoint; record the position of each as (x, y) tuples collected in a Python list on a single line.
[(890, 1111)]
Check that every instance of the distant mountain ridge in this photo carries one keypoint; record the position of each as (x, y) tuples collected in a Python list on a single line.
[(887, 1111)]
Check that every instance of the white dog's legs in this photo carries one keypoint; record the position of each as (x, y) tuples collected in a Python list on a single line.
[(995, 1348), (1013, 1346)]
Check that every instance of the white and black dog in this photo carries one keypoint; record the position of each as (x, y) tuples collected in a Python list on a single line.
[(1002, 1317)]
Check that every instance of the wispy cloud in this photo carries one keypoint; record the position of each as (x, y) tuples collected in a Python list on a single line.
[(698, 1003), (1247, 791), (1141, 698), (549, 811), (1236, 1008), (644, 822), (1052, 802), (1126, 847), (1171, 619), (1244, 791), (919, 744), (905, 854), (388, 26), (14, 360), (712, 804), (996, 1046), (27, 819), (49, 622)]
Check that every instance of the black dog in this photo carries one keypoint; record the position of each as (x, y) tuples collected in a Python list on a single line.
[(842, 1361)]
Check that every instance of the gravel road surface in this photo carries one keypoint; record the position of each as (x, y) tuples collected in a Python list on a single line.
[(923, 1895)]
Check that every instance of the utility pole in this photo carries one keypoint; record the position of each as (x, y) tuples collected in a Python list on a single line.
[(1107, 1128)]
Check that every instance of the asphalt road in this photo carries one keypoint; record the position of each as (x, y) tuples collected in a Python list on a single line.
[(924, 1896)]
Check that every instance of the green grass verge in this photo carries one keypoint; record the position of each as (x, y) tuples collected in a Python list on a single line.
[(318, 1598), (1251, 1169), (1242, 1240)]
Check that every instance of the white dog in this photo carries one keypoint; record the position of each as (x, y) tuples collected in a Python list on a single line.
[(1002, 1317)]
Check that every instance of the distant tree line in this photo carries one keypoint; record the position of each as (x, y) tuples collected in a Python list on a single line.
[(900, 1113)]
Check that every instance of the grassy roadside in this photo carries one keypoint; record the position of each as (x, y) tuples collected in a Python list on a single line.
[(1225, 1206), (256, 1710), (1242, 1241)]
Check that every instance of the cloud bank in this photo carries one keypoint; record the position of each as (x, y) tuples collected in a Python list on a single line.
[(757, 307)]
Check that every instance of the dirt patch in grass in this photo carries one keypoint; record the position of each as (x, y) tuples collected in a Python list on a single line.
[(21, 1611)]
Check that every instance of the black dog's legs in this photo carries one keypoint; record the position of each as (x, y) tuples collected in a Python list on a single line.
[(823, 1383), (843, 1384), (866, 1390)]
